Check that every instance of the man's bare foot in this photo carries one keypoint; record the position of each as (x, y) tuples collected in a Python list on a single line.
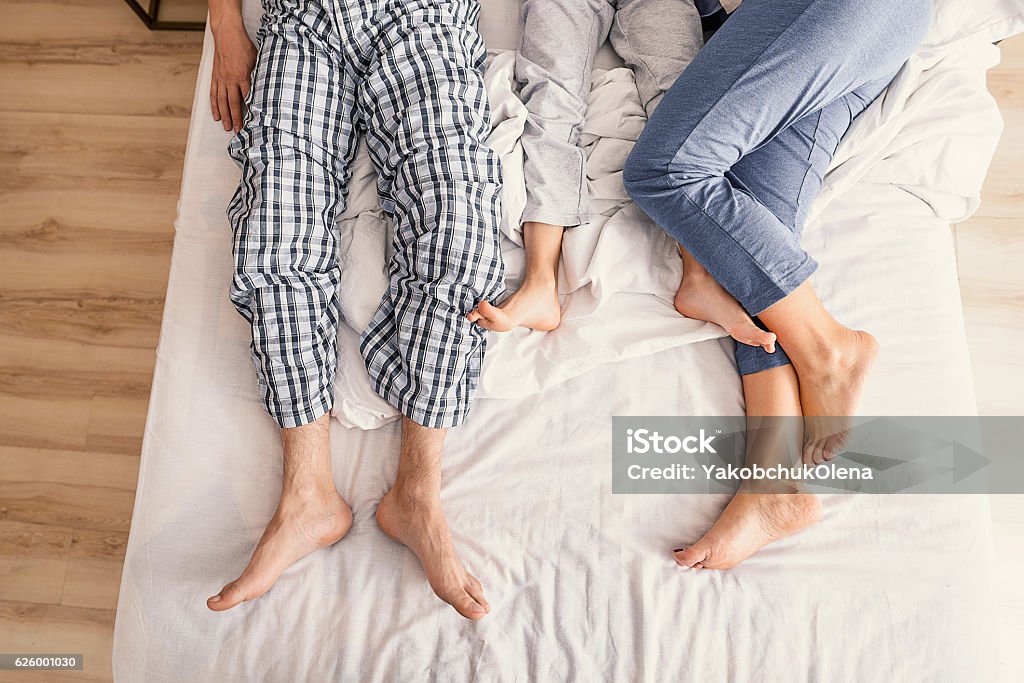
[(830, 392), (534, 305), (418, 522), (750, 522), (304, 521), (701, 297)]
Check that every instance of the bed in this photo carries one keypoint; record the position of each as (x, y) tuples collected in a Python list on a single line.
[(581, 582)]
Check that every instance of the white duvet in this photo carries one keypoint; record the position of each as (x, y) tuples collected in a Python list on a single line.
[(619, 272), (581, 583)]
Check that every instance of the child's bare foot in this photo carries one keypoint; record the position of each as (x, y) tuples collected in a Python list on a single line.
[(701, 297), (534, 305)]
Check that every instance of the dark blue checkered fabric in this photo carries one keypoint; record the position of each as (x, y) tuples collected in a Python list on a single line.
[(406, 76)]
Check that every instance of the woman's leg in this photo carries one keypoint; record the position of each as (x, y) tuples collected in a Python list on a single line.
[(657, 59), (774, 64), (554, 78), (761, 512), (701, 297)]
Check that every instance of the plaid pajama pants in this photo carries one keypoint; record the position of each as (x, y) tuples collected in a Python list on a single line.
[(406, 74)]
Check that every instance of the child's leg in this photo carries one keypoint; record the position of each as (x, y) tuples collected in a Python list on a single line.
[(656, 39), (553, 68), (560, 39), (535, 303)]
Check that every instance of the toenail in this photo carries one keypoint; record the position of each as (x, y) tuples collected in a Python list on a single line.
[(215, 598), (679, 550)]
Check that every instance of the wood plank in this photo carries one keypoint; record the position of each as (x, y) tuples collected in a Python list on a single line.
[(30, 627), (99, 77), (81, 151), (67, 368), (88, 316), (61, 423), (84, 20), (46, 234), (37, 218), (84, 468), (94, 569), (117, 423), (145, 274), (989, 253), (100, 508), (33, 562)]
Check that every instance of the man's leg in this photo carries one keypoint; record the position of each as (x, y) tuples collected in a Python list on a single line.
[(411, 514), (554, 75), (295, 150), (773, 63), (310, 515), (424, 106)]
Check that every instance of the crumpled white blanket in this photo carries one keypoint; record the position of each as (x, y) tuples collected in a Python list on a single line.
[(619, 272)]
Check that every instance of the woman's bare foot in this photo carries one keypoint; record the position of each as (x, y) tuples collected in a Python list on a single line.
[(830, 391), (305, 520), (534, 305), (750, 522), (701, 297), (418, 522)]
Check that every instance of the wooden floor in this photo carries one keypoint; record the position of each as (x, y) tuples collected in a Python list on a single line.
[(93, 120), (93, 117)]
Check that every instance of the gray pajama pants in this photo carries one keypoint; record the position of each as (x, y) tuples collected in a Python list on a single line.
[(406, 75), (655, 38)]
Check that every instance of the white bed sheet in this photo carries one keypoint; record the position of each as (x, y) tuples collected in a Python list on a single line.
[(581, 582)]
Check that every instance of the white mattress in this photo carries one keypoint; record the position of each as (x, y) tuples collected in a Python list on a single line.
[(581, 582)]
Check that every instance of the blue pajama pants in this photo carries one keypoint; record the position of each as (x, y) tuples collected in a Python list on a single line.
[(736, 151), (407, 76)]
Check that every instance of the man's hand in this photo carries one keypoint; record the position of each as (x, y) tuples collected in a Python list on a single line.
[(233, 62)]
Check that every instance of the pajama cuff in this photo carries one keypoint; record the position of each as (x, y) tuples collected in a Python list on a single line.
[(308, 411), (753, 359), (434, 417), (566, 219), (778, 288), (440, 407)]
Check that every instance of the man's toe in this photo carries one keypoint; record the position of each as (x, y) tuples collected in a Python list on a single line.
[(468, 607), (476, 591), (229, 596)]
